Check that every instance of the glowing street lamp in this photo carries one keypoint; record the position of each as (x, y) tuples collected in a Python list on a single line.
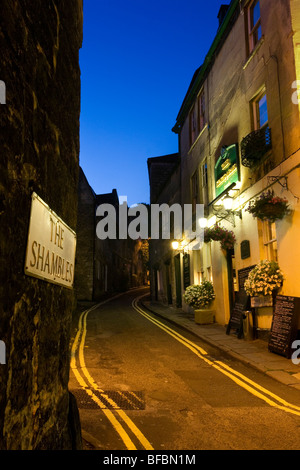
[(203, 222), (228, 203), (175, 245)]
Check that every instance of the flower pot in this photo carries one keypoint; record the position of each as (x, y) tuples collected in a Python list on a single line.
[(264, 317), (204, 316), (263, 305)]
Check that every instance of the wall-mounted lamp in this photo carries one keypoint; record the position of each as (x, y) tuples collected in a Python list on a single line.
[(175, 245), (181, 246), (223, 210), (228, 203), (203, 222)]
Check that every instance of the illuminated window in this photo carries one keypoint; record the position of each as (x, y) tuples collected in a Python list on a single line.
[(254, 24), (260, 111), (268, 240), (209, 274)]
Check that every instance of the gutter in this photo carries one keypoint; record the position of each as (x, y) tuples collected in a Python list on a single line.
[(207, 61)]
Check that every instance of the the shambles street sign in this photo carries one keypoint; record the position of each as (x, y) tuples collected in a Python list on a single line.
[(227, 170), (51, 246)]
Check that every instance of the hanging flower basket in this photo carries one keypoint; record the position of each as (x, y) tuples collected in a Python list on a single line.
[(269, 207), (221, 234), (264, 280)]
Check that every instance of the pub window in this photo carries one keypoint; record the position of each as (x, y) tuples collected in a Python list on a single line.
[(201, 104), (260, 111), (209, 274), (193, 125), (200, 277), (269, 240), (254, 24)]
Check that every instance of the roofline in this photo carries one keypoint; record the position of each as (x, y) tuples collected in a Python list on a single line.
[(203, 69)]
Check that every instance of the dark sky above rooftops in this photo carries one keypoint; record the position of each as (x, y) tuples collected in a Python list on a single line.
[(137, 61)]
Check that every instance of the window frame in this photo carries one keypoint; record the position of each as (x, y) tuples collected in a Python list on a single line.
[(255, 110), (269, 242), (252, 29)]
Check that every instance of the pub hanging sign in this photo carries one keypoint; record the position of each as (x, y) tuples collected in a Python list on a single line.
[(227, 169), (51, 246)]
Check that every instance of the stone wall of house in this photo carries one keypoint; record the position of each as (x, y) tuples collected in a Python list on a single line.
[(39, 141), (86, 232)]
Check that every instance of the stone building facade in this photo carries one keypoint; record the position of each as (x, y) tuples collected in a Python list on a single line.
[(103, 266), (164, 178), (238, 132), (39, 124)]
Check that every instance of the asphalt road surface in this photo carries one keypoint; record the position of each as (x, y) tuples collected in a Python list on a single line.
[(142, 383)]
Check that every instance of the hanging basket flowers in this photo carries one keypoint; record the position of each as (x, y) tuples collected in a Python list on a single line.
[(264, 279), (268, 207), (225, 237)]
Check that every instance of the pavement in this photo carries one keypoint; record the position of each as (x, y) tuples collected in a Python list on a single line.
[(254, 352)]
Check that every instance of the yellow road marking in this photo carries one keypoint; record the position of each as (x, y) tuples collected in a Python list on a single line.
[(170, 331), (234, 375), (80, 339)]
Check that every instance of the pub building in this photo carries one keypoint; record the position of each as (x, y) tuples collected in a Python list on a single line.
[(239, 140)]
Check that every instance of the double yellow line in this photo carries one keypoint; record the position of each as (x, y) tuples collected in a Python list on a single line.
[(118, 418), (240, 379)]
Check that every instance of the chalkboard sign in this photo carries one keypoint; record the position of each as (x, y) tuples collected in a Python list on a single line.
[(186, 271), (241, 305), (284, 325), (243, 275)]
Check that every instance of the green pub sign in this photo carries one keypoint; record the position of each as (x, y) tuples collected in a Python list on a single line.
[(227, 169)]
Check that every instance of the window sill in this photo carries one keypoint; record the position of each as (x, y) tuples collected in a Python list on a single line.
[(198, 137), (254, 52)]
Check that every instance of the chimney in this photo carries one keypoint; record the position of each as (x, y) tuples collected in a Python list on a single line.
[(222, 13)]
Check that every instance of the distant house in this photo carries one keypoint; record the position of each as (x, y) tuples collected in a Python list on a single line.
[(164, 178), (107, 266)]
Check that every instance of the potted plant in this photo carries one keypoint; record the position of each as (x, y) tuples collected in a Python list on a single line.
[(221, 234), (200, 298), (261, 285), (265, 278), (269, 207)]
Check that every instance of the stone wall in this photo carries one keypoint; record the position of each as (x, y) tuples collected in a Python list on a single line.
[(84, 273), (39, 141)]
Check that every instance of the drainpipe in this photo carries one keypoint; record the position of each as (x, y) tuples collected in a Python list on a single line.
[(274, 57)]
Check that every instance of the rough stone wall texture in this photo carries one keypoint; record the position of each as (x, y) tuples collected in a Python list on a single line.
[(86, 232), (39, 141)]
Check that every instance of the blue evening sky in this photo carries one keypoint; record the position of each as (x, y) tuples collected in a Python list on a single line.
[(137, 60)]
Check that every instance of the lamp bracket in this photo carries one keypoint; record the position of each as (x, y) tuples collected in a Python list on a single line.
[(276, 179), (229, 215)]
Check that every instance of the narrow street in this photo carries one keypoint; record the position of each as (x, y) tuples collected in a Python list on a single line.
[(142, 384)]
